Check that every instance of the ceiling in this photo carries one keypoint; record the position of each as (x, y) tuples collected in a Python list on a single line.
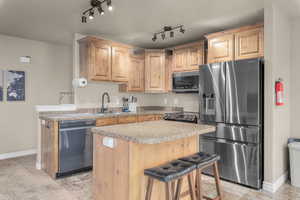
[(132, 21)]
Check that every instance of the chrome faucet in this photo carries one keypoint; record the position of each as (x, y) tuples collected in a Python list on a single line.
[(108, 101)]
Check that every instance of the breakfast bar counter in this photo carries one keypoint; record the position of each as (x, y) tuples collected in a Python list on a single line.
[(122, 152)]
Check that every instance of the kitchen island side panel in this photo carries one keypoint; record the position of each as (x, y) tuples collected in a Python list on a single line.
[(119, 171)]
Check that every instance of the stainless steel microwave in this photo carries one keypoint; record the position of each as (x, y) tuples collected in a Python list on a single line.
[(186, 82)]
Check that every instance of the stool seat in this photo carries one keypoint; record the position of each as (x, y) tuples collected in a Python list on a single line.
[(201, 159), (170, 171)]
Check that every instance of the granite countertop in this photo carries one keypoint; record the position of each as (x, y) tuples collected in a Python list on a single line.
[(79, 116), (153, 132)]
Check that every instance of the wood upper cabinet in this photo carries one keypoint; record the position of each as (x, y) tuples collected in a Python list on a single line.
[(95, 61), (196, 57), (120, 62), (188, 57), (102, 60), (181, 59), (169, 68), (221, 48), (236, 44), (155, 71), (136, 82), (249, 44)]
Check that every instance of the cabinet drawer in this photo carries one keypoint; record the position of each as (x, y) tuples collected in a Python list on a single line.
[(143, 118), (127, 119), (106, 121), (158, 117)]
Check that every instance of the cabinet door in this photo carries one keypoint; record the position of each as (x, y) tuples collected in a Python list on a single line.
[(195, 57), (180, 58), (221, 48), (120, 62), (169, 67), (100, 62), (249, 44), (155, 71), (136, 82)]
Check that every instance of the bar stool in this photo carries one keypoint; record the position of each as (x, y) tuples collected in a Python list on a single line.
[(170, 173), (204, 161)]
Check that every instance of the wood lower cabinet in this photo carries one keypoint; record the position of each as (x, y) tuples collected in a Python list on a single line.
[(155, 71), (249, 44), (221, 49), (120, 64), (106, 121), (49, 144), (188, 57), (127, 119), (144, 118)]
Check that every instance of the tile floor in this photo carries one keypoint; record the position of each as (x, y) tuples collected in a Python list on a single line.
[(19, 180)]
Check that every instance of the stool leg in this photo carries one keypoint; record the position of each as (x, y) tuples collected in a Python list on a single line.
[(178, 189), (173, 189), (217, 179), (169, 195), (191, 186), (149, 188), (199, 185)]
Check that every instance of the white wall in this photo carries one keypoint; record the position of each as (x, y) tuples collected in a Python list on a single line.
[(295, 79), (91, 95), (277, 119), (49, 73)]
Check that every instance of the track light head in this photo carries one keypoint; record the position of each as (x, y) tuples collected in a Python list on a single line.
[(163, 36), (182, 30), (83, 19), (100, 10), (172, 34), (91, 15), (154, 38), (109, 6)]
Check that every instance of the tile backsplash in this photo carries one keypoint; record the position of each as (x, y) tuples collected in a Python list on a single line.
[(90, 96)]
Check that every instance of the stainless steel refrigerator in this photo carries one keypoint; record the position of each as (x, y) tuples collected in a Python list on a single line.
[(231, 97)]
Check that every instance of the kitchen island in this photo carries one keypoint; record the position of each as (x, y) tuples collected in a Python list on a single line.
[(122, 152)]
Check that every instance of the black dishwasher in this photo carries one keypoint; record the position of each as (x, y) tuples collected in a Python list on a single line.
[(75, 146)]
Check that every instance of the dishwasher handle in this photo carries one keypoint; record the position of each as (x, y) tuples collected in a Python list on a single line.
[(76, 128)]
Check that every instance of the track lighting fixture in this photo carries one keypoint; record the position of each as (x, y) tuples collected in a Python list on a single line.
[(95, 5), (168, 29)]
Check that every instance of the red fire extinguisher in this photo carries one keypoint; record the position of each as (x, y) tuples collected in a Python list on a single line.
[(279, 92)]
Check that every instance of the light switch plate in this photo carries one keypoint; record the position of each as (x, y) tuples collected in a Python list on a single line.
[(109, 142), (25, 59)]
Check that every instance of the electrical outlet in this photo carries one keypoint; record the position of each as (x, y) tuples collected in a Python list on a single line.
[(109, 142)]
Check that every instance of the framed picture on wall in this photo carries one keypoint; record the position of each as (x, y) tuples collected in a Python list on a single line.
[(1, 84), (15, 85)]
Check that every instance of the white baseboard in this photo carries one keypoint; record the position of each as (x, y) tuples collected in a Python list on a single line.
[(17, 154), (273, 187)]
